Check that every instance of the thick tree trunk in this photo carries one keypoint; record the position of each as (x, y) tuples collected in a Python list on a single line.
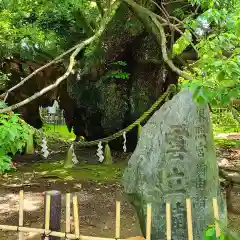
[(99, 100), (109, 104)]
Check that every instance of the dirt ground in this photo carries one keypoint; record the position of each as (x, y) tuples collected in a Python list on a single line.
[(96, 209), (96, 205)]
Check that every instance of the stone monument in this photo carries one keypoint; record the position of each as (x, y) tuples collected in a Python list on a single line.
[(175, 159)]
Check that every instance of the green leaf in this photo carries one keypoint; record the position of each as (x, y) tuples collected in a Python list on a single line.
[(120, 63), (217, 63), (238, 29), (13, 136), (234, 93), (182, 43), (221, 76), (224, 99)]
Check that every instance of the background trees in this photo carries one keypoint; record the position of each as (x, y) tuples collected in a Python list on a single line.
[(144, 47)]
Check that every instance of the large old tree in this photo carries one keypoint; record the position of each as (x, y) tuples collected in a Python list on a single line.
[(130, 52)]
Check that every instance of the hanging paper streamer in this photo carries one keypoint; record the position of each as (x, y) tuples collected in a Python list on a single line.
[(79, 75), (139, 130), (107, 154), (164, 74), (44, 146), (100, 152), (124, 142)]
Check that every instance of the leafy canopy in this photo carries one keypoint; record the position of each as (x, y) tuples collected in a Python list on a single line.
[(43, 29), (216, 73), (30, 28)]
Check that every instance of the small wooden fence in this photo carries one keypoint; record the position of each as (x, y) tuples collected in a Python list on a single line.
[(52, 118), (46, 232)]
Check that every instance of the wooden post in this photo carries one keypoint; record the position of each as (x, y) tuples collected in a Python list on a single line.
[(68, 212), (216, 216), (118, 215), (21, 208), (55, 212), (149, 222), (76, 216), (189, 219), (168, 221)]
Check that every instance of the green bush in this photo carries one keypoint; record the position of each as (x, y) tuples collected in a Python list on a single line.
[(226, 234), (210, 234), (223, 121), (14, 133)]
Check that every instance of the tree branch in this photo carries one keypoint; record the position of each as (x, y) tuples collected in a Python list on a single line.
[(137, 7), (100, 7), (83, 23), (162, 41), (164, 51), (72, 62), (55, 60)]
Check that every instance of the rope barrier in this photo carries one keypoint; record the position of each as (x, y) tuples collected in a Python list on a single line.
[(171, 90)]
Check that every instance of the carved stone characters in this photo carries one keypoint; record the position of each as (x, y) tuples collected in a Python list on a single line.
[(175, 159)]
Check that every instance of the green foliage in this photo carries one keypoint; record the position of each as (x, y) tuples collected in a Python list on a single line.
[(214, 3), (217, 71), (14, 133), (4, 78), (226, 143), (34, 28), (80, 172), (236, 114), (210, 234), (182, 43), (41, 29), (58, 131), (223, 121), (119, 73), (226, 234), (120, 63)]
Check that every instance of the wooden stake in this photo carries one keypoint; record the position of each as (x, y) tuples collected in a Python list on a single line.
[(76, 216), (216, 216), (52, 233), (168, 221), (21, 209), (54, 223), (68, 212), (118, 215), (189, 219), (149, 222), (47, 215)]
